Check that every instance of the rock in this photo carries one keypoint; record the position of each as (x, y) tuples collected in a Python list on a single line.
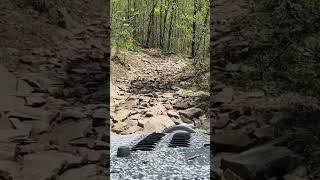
[(223, 97), (177, 121), (72, 114), (142, 122), (121, 115), (8, 80), (7, 151), (221, 122), (293, 177), (168, 106), (119, 127), (4, 122), (186, 120), (100, 117), (132, 130), (134, 117), (229, 175), (71, 130), (34, 101), (46, 165), (16, 123), (9, 102), (234, 115), (38, 127), (131, 103), (86, 172), (261, 161), (173, 113), (231, 141), (101, 145), (216, 173), (84, 142), (216, 159), (158, 109), (265, 133), (66, 21), (191, 113), (182, 105), (12, 135), (100, 113), (28, 113), (157, 124), (8, 169), (131, 122)]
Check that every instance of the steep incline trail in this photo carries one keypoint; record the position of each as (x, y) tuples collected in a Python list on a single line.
[(151, 96)]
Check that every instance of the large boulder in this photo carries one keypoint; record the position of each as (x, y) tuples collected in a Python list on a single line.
[(261, 162), (157, 124)]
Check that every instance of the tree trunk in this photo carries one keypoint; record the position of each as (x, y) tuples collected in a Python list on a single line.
[(194, 29)]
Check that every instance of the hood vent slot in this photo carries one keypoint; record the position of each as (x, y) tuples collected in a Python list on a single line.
[(180, 139), (148, 143)]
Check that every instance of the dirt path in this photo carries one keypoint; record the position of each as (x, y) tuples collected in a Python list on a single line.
[(151, 98)]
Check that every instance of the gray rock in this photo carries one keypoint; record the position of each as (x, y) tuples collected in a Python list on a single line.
[(265, 133), (8, 80), (71, 130), (7, 151), (261, 161), (182, 105), (35, 101), (231, 141), (46, 165), (87, 172), (221, 122), (223, 97), (100, 117), (229, 175), (8, 169), (14, 135), (9, 102), (72, 114)]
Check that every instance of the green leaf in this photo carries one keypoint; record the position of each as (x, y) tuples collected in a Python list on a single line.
[(157, 10)]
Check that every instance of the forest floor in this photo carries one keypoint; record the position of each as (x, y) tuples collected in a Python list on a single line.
[(149, 92)]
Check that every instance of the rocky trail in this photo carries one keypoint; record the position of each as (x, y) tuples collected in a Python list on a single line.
[(253, 135), (53, 107), (151, 97)]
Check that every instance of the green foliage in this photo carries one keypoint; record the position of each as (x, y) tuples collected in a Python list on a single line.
[(163, 24)]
